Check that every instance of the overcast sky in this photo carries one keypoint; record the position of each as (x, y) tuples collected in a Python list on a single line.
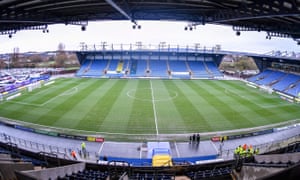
[(152, 32)]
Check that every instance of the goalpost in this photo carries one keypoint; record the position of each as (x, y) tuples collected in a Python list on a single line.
[(33, 86), (266, 89)]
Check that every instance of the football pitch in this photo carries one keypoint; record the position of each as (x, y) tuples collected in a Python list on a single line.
[(154, 107)]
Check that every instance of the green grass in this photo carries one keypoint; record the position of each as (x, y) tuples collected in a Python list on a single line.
[(149, 106)]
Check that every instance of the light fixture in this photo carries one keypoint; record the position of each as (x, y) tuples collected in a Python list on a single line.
[(136, 26), (238, 33), (45, 30), (83, 28)]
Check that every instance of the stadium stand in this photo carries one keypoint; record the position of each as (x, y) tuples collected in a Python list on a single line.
[(158, 68), (285, 82), (155, 67), (260, 76), (179, 69), (138, 68), (282, 163), (272, 78), (294, 89), (84, 67), (198, 69), (114, 168), (223, 172), (212, 68), (115, 68)]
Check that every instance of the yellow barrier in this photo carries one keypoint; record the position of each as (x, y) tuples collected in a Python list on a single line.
[(161, 160)]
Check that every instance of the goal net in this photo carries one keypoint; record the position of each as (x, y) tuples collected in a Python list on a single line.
[(34, 85), (266, 89)]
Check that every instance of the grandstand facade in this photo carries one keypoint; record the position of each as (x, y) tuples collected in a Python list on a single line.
[(158, 62)]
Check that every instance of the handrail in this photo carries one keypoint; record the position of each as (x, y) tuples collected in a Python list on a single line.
[(62, 152), (263, 148), (40, 148)]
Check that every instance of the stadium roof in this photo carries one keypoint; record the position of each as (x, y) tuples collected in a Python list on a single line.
[(278, 18)]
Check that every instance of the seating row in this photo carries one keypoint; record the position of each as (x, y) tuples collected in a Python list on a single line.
[(153, 68), (280, 81)]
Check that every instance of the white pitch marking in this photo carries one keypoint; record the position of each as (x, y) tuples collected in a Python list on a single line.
[(153, 105), (66, 93), (100, 149), (215, 147), (177, 151)]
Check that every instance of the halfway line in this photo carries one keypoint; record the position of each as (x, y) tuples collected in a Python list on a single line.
[(153, 105)]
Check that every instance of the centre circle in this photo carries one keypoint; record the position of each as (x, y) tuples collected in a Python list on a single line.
[(154, 93)]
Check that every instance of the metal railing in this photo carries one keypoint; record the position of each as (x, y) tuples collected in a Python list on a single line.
[(61, 152), (65, 153), (263, 148)]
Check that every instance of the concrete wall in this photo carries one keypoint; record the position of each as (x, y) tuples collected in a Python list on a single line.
[(53, 173)]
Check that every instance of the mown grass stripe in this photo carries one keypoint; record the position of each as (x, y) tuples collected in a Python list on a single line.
[(62, 105), (28, 112), (141, 115), (227, 111), (210, 113), (189, 113), (266, 109), (103, 107), (76, 113), (119, 113), (168, 118), (41, 95), (240, 104)]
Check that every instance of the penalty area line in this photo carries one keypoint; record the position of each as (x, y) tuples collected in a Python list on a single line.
[(68, 92), (65, 93)]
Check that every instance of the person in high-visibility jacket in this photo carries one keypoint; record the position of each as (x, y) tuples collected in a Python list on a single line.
[(256, 151), (236, 152), (240, 150), (252, 151)]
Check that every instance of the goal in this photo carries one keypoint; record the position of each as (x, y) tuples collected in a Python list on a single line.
[(34, 85), (266, 89)]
